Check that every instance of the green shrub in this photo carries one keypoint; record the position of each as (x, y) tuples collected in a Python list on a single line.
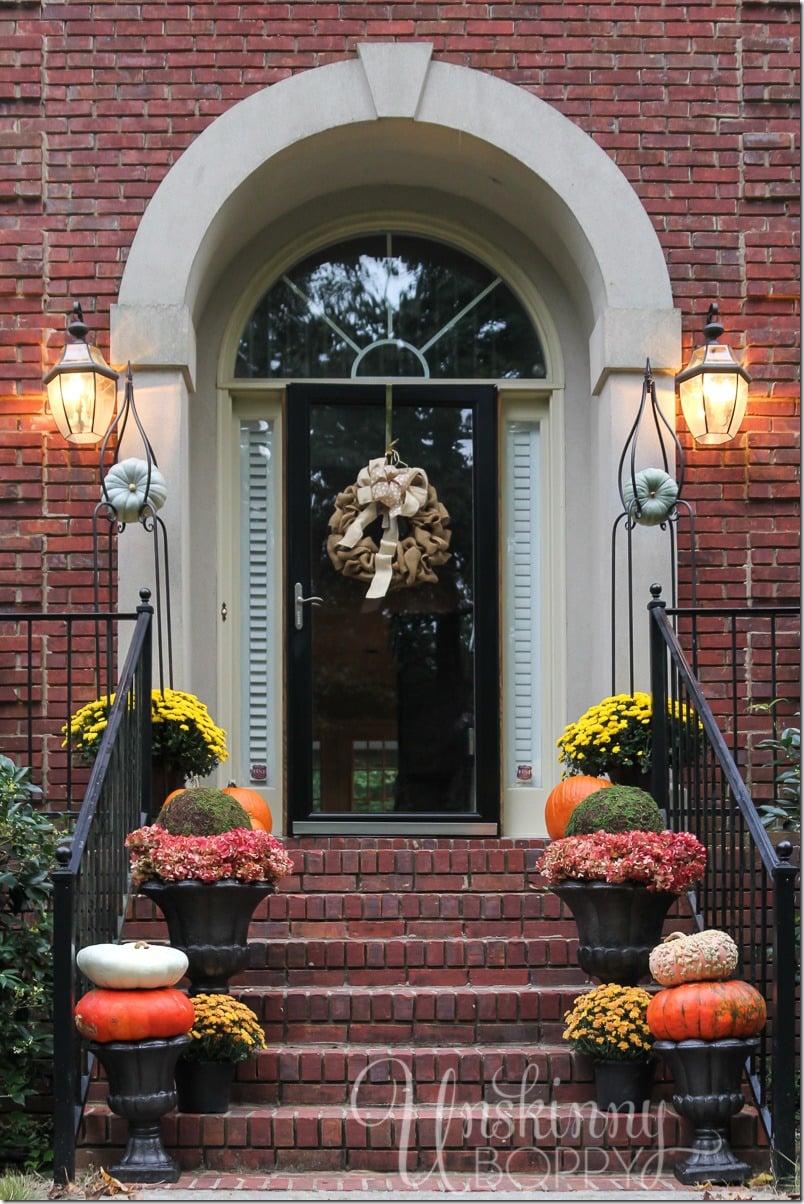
[(27, 850), (202, 811), (616, 809), (784, 813)]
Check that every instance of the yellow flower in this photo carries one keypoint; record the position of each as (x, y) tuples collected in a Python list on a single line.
[(610, 1022), (184, 734)]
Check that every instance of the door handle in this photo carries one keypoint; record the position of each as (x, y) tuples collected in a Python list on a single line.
[(298, 601)]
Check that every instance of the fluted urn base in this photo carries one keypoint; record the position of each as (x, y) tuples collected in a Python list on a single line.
[(708, 1077), (142, 1089)]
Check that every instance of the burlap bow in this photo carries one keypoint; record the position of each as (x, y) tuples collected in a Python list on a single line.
[(385, 490)]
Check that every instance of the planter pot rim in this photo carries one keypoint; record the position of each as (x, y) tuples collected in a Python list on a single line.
[(624, 1061), (187, 883), (601, 883), (143, 1046), (699, 1043), (186, 1060)]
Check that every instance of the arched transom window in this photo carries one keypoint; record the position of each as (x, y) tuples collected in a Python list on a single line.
[(390, 305)]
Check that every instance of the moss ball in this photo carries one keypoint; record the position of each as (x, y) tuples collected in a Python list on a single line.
[(202, 811), (616, 809)]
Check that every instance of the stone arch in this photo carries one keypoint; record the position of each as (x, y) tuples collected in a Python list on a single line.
[(456, 151), (393, 114)]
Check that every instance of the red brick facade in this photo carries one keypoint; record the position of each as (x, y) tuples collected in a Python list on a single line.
[(696, 103)]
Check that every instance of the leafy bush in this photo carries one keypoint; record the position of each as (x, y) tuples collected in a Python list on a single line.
[(784, 813), (27, 849)]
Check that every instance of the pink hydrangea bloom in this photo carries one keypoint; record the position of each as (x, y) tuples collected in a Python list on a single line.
[(243, 854), (668, 861)]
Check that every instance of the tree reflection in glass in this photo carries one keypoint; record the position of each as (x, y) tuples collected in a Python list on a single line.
[(390, 305), (398, 671)]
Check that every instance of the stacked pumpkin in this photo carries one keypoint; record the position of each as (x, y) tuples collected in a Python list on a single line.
[(700, 1000), (134, 996), (565, 797)]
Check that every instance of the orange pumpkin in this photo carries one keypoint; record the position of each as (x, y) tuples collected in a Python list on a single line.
[(564, 798), (254, 804), (173, 794), (133, 1015), (707, 1011)]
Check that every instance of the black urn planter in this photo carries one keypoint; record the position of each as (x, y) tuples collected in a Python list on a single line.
[(209, 921), (618, 925), (142, 1089), (204, 1086), (623, 1086), (708, 1077)]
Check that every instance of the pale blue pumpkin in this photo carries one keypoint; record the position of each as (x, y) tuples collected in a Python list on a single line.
[(656, 495), (127, 488)]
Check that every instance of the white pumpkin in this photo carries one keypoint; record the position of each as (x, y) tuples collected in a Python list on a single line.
[(656, 495), (127, 489), (132, 965)]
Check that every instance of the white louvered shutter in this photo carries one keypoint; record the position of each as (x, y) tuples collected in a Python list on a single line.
[(257, 591), (521, 607)]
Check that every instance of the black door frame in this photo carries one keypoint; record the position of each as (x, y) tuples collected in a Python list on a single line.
[(482, 399)]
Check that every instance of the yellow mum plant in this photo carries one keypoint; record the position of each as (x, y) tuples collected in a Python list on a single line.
[(615, 731), (608, 1024), (184, 734), (224, 1030)]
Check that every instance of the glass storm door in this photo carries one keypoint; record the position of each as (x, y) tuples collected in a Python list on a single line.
[(393, 697)]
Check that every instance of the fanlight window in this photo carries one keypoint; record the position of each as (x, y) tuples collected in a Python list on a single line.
[(390, 305)]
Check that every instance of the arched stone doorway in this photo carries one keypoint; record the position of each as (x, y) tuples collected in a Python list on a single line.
[(394, 136)]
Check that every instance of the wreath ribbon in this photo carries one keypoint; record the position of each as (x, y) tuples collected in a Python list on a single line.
[(387, 491)]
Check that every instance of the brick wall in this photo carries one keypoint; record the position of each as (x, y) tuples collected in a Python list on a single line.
[(696, 103)]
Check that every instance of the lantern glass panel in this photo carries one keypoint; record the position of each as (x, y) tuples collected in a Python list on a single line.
[(81, 391)]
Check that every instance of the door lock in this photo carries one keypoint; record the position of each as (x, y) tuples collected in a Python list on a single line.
[(298, 601)]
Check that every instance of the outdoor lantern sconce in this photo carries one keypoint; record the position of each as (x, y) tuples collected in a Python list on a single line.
[(82, 388), (713, 388)]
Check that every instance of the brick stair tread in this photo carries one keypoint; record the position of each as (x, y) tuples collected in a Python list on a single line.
[(416, 1137), (438, 914), (464, 1015), (375, 1073), (372, 1074), (397, 960), (418, 866)]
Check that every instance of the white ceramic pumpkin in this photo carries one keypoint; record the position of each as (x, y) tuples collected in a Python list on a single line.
[(694, 957), (132, 965), (656, 495), (127, 488)]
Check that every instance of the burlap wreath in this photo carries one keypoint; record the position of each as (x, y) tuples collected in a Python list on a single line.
[(415, 556)]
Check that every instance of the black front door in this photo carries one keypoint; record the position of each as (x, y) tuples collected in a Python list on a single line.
[(393, 695)]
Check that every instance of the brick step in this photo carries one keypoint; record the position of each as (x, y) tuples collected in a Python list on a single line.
[(525, 1137), (417, 961), (437, 864), (442, 915), (369, 1075), (421, 1015)]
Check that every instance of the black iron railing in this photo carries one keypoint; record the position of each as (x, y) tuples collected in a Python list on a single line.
[(91, 882), (751, 884), (52, 663)]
